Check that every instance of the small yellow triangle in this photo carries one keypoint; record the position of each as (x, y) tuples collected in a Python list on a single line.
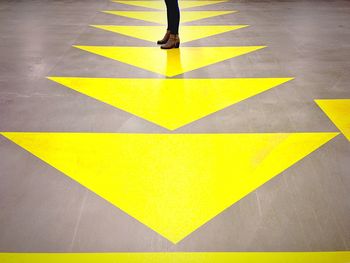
[(170, 103), (173, 183), (152, 33), (169, 62), (160, 5), (160, 17), (338, 110)]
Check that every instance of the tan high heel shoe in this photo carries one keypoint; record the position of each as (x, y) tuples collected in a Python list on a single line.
[(165, 38), (173, 42)]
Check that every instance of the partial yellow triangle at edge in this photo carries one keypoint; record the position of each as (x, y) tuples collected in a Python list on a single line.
[(160, 16), (170, 103), (169, 62), (338, 110), (172, 183), (180, 257), (152, 33), (160, 5)]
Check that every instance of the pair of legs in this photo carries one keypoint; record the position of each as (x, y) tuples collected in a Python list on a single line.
[(171, 38), (173, 15)]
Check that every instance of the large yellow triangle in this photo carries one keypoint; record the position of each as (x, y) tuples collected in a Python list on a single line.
[(338, 110), (173, 183), (170, 103), (169, 62), (180, 257), (160, 17), (152, 33), (161, 4)]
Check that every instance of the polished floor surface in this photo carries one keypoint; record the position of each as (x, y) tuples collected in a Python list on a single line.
[(239, 141)]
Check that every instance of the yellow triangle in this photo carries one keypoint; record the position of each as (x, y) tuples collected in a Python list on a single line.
[(180, 257), (170, 103), (169, 62), (338, 110), (152, 33), (160, 5), (173, 183), (160, 17)]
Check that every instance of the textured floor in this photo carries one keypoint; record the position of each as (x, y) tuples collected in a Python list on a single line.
[(305, 208)]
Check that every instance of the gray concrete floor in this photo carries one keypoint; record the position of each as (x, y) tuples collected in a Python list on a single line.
[(306, 208)]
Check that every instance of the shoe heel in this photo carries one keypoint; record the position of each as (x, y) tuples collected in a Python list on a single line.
[(177, 45)]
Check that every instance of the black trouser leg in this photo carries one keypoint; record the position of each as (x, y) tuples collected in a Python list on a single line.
[(173, 15)]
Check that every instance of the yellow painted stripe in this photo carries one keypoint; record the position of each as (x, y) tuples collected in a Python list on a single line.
[(227, 257)]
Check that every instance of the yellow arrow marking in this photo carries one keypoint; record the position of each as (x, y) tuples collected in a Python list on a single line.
[(170, 103), (173, 183), (152, 33), (338, 111), (169, 62), (160, 17), (161, 5)]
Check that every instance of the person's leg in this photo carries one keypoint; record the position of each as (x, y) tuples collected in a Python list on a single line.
[(174, 16), (169, 19), (168, 7), (173, 13)]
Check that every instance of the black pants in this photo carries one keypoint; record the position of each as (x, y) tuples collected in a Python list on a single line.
[(173, 15)]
